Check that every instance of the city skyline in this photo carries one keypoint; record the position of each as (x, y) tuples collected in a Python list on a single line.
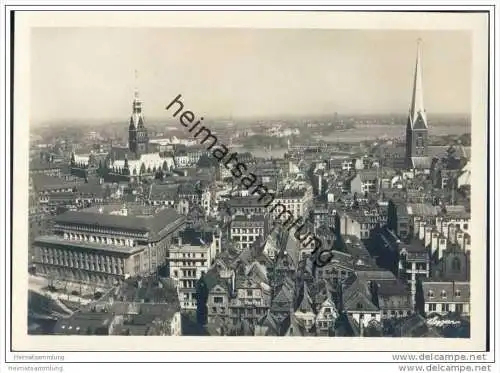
[(266, 64)]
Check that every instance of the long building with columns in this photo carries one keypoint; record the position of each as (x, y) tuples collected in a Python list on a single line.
[(101, 246)]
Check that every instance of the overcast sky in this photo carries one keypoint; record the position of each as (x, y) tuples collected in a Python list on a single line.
[(80, 73)]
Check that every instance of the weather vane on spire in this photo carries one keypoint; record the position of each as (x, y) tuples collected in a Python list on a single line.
[(136, 90)]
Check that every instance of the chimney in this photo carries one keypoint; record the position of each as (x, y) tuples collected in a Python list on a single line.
[(416, 226), (179, 241), (467, 242), (441, 246), (428, 235), (434, 241), (444, 229), (460, 239), (421, 230), (452, 233)]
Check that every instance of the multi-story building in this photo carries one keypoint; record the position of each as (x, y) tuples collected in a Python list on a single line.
[(162, 194), (245, 230), (360, 223), (446, 296), (414, 265), (365, 181), (44, 167), (459, 219), (296, 201), (187, 263), (104, 245), (247, 206), (250, 302)]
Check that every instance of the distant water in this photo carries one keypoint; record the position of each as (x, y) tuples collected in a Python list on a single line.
[(374, 131), (263, 153)]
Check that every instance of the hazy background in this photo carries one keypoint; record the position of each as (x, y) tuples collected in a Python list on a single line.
[(88, 73)]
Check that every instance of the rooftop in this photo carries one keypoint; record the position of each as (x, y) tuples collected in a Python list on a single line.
[(133, 217)]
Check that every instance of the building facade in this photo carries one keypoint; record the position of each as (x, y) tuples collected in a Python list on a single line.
[(102, 246)]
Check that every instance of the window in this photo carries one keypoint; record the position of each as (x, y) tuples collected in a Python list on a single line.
[(218, 300), (432, 307), (359, 306), (457, 293), (466, 226), (249, 293), (446, 307), (443, 294)]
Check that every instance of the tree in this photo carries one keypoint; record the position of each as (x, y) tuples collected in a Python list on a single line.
[(143, 169), (164, 166)]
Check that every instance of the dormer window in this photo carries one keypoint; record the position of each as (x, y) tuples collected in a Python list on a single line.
[(457, 293), (359, 306), (443, 294), (430, 294)]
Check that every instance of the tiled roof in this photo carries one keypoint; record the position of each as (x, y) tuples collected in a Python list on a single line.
[(306, 303), (163, 192), (446, 291), (84, 323), (422, 209), (154, 224), (38, 164), (421, 162), (44, 182)]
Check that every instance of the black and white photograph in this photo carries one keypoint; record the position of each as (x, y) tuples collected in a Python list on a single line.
[(258, 184)]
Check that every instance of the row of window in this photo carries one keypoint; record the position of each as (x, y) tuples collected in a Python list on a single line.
[(98, 229), (100, 240), (245, 238), (90, 266), (430, 293), (247, 230), (185, 273), (188, 264), (51, 253), (446, 307)]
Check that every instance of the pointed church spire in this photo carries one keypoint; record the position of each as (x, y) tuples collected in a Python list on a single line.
[(136, 90), (417, 116)]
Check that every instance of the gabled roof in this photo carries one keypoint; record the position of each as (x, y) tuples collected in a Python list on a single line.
[(306, 303), (356, 295), (295, 327)]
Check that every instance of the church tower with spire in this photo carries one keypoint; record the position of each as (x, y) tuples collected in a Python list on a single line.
[(137, 133), (416, 127)]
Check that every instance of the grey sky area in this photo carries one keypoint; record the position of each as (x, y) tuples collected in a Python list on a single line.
[(88, 73)]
